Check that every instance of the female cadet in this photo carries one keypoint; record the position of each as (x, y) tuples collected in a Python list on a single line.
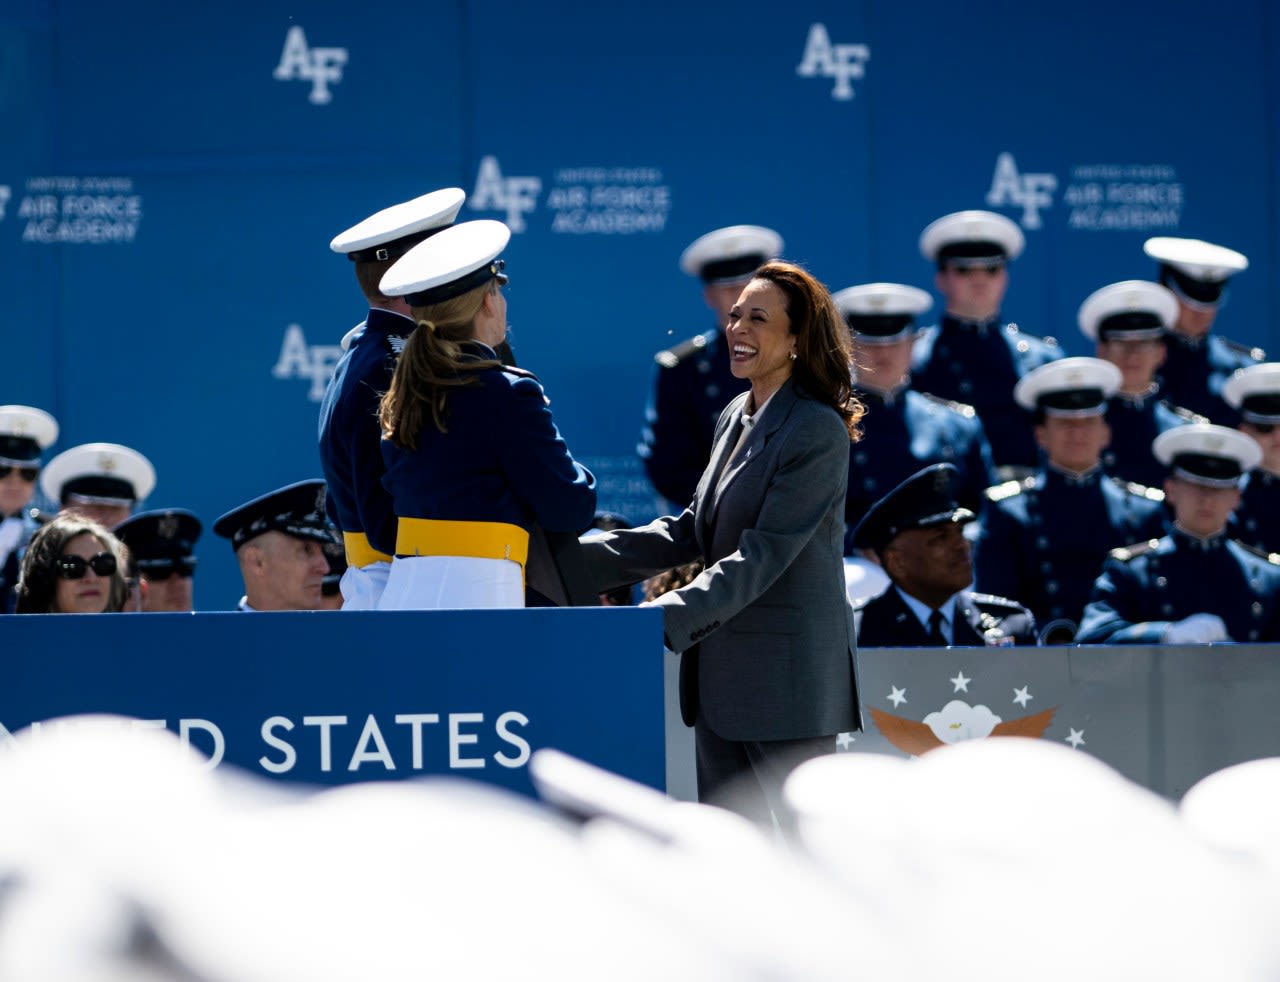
[(771, 680), (474, 459)]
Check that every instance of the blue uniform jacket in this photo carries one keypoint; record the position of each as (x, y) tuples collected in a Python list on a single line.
[(1256, 521), (979, 364), (904, 431), (502, 460), (1135, 422), (1145, 588), (350, 437), (692, 384), (887, 622), (1043, 541), (1194, 371)]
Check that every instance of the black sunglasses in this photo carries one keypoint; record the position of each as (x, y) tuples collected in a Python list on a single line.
[(162, 569), (1263, 427), (74, 567), (989, 268), (28, 474)]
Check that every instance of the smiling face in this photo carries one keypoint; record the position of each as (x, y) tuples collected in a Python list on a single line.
[(91, 593), (760, 339)]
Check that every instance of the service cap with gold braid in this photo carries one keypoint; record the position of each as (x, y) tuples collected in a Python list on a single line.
[(1131, 310), (296, 510), (731, 254), (882, 313), (162, 542), (24, 432), (1207, 454), (98, 474), (1069, 387), (391, 232), (972, 238)]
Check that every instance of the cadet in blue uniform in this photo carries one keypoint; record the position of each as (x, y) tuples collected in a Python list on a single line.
[(474, 462), (24, 432), (692, 382), (1194, 585), (1255, 393), (1046, 537), (903, 430), (102, 481), (1128, 321), (1199, 361), (279, 541), (917, 531), (350, 438), (162, 548), (972, 356)]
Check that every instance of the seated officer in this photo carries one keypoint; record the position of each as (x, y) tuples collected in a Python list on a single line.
[(693, 382), (101, 481), (1199, 362), (1254, 393), (917, 532), (279, 541), (903, 430), (162, 547), (1128, 320), (350, 440), (1194, 585), (24, 433), (973, 356), (1047, 537), (331, 589)]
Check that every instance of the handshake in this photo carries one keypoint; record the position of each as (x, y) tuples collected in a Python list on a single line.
[(1197, 629)]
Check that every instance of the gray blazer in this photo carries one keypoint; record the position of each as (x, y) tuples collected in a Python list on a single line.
[(769, 615)]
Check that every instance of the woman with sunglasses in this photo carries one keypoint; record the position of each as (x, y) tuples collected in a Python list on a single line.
[(475, 466), (24, 433), (73, 566)]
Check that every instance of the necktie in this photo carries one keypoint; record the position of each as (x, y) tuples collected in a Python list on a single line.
[(935, 630)]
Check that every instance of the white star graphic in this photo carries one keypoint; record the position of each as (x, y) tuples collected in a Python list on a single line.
[(845, 740), (1076, 739), (897, 696), (960, 682), (1022, 696)]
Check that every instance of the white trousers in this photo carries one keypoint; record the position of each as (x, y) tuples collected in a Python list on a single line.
[(362, 586), (452, 583)]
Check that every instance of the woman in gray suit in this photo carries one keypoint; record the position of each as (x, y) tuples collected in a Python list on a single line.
[(766, 630)]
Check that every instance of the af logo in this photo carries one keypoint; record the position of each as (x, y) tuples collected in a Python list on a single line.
[(5, 193), (514, 195), (319, 66), (1030, 192), (310, 361), (838, 61)]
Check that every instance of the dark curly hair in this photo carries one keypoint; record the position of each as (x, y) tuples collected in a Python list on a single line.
[(38, 582)]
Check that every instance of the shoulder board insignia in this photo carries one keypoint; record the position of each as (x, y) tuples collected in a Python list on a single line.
[(1271, 557), (1133, 487), (1243, 349), (959, 407), (685, 349), (1181, 413), (1125, 553), (989, 603), (520, 372), (1048, 339), (1008, 489), (396, 343)]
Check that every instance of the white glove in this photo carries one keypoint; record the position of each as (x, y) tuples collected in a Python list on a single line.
[(1197, 629)]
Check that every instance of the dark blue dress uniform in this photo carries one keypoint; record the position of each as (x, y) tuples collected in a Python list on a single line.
[(904, 431), (1046, 538), (980, 620), (692, 384), (1195, 370), (1145, 588), (1135, 422), (1256, 521), (351, 438), (501, 460), (978, 364)]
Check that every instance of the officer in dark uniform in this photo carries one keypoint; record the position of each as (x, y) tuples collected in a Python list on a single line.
[(279, 541), (972, 356), (1128, 321), (1254, 392), (903, 430), (162, 554), (24, 432), (692, 382), (1200, 361), (350, 438), (1047, 536), (917, 532), (1194, 585), (101, 481)]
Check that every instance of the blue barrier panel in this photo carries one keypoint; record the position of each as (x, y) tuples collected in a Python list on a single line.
[(333, 698)]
